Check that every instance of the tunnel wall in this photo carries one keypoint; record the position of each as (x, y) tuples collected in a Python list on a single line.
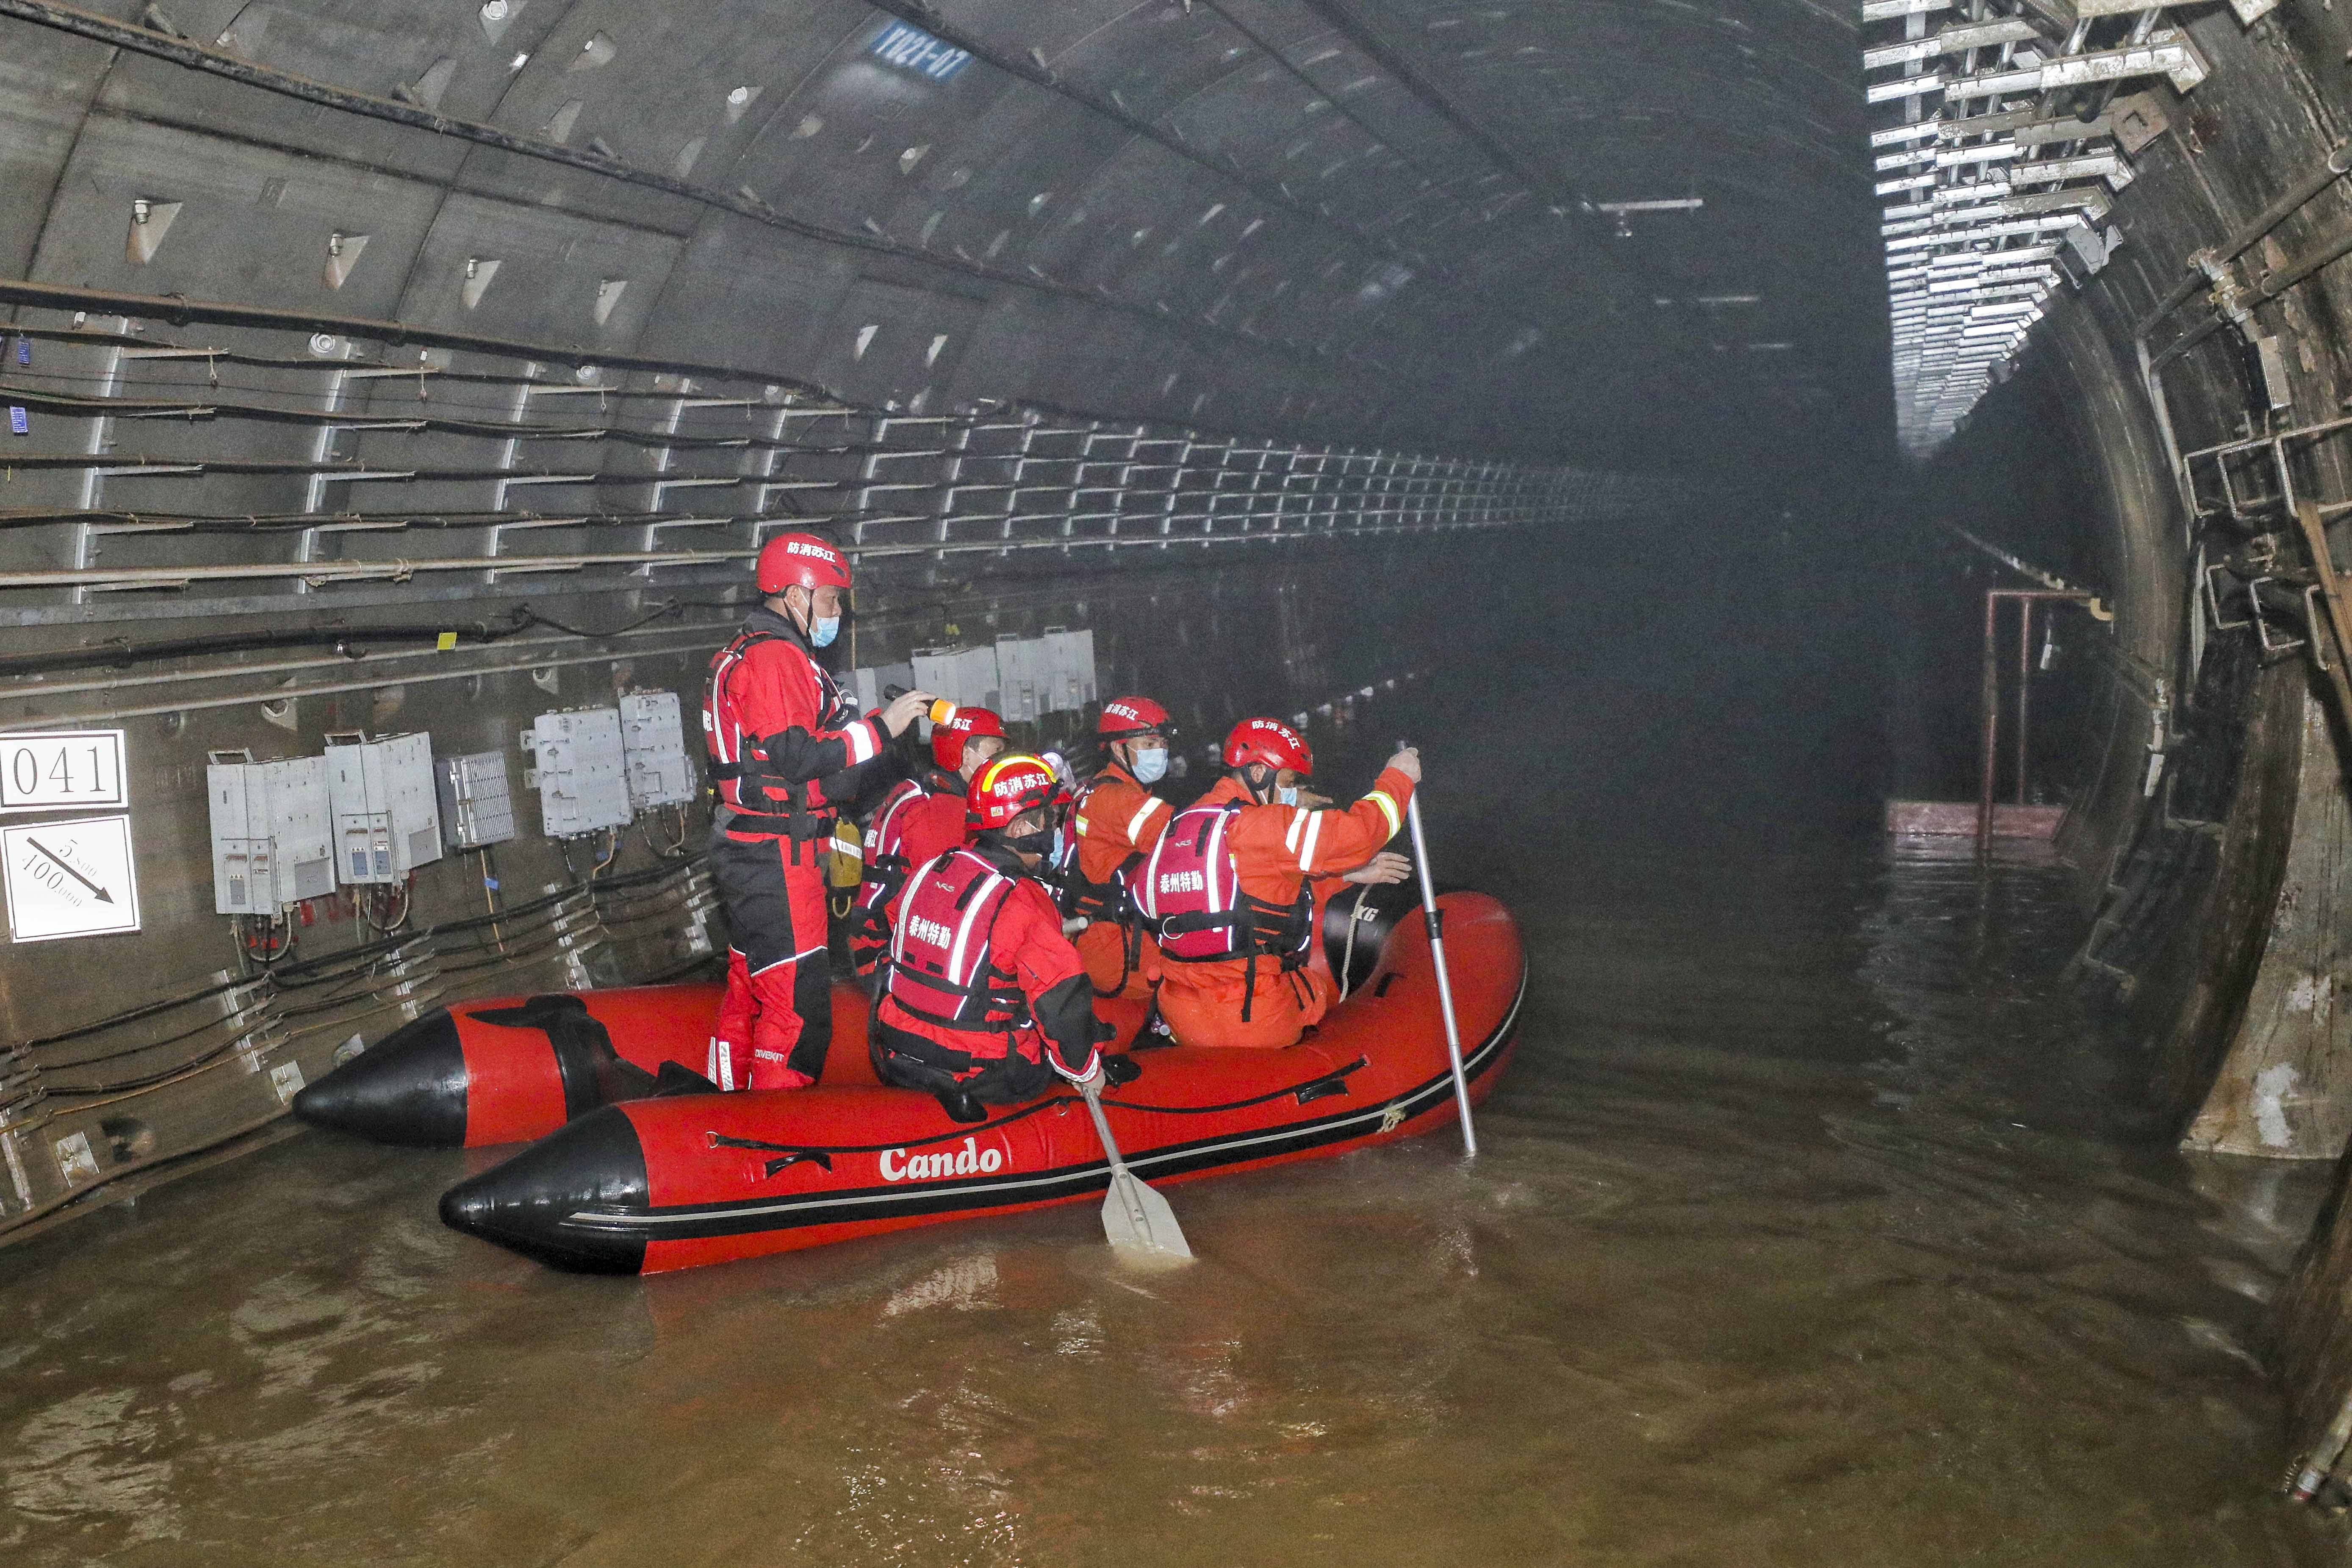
[(2188, 879), (1168, 223)]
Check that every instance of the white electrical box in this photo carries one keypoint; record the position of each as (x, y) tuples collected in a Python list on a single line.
[(477, 801), (272, 829), (387, 822), (1022, 678), (1070, 670), (963, 675), (653, 749), (865, 686), (976, 672), (581, 773), (935, 672)]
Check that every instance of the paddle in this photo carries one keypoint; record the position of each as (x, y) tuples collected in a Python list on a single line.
[(1436, 922), (1135, 1219)]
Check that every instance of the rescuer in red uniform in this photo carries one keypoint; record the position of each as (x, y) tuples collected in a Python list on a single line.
[(1229, 889), (1117, 820), (785, 749), (984, 1000), (920, 819)]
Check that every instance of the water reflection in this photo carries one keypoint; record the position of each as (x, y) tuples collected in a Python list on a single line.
[(1814, 1225)]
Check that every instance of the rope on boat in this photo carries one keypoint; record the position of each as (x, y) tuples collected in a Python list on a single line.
[(1315, 1088)]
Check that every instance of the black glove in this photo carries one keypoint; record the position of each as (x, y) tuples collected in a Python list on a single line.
[(1119, 1070)]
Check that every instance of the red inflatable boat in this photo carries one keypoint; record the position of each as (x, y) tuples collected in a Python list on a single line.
[(507, 1069), (673, 1182)]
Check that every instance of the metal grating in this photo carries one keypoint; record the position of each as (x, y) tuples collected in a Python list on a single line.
[(2010, 135), (287, 461)]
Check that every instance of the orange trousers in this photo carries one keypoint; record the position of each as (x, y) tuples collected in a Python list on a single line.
[(1202, 1004), (1102, 948)]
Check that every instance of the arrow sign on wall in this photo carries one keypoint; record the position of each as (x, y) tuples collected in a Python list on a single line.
[(67, 866)]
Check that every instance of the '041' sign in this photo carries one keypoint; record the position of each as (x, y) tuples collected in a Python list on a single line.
[(61, 770)]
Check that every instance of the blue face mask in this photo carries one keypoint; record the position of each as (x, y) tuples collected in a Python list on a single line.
[(1287, 796), (823, 629), (1150, 766)]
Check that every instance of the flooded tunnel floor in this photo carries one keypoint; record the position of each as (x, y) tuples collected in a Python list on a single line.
[(1806, 1231)]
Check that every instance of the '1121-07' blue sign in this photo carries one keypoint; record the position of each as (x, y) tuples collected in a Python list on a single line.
[(912, 49)]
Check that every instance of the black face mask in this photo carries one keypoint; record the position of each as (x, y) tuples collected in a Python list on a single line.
[(1029, 848)]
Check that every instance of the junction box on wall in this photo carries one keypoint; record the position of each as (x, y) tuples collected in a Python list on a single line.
[(653, 750), (387, 822), (271, 832), (867, 684), (476, 802), (1022, 678), (581, 772)]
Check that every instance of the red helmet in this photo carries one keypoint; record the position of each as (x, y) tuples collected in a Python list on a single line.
[(801, 560), (947, 739), (1007, 787), (1124, 718), (1270, 741)]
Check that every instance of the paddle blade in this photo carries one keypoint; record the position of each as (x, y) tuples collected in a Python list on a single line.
[(1138, 1222)]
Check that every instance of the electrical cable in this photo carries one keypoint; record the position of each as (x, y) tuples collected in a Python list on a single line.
[(667, 607), (324, 971)]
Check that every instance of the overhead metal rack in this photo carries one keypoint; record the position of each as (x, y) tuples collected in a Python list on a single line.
[(292, 455), (1999, 172)]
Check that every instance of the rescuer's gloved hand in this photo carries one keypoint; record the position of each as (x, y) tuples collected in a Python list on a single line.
[(1120, 1070), (1092, 1075)]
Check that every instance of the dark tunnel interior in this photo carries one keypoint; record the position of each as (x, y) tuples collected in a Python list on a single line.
[(1843, 494)]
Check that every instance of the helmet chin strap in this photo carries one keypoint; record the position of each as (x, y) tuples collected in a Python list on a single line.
[(800, 617), (1261, 792)]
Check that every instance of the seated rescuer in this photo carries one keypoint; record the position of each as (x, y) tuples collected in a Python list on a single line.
[(1117, 820), (920, 819), (984, 1000), (786, 749), (1229, 893)]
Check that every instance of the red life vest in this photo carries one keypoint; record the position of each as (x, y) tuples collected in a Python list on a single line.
[(884, 853), (764, 801), (942, 964), (1190, 894)]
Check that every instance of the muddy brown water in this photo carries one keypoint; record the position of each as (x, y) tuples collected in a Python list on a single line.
[(1812, 1227)]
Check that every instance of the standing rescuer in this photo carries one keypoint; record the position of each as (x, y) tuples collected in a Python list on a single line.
[(920, 819), (785, 749), (1228, 889), (985, 1001), (1117, 820)]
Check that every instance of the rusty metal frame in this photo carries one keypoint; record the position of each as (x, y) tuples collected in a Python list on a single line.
[(1990, 704)]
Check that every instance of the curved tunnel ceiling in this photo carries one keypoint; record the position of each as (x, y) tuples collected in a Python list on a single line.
[(1615, 233)]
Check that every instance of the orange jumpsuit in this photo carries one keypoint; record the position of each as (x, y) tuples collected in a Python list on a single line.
[(1274, 848), (1116, 818)]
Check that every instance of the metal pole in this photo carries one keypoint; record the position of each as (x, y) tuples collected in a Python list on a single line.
[(1436, 922), (2024, 682), (1990, 703), (2335, 166)]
